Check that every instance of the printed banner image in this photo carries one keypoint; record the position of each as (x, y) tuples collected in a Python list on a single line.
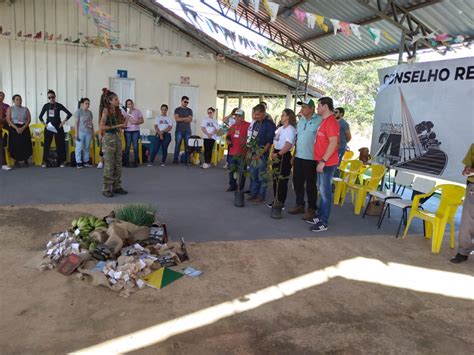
[(424, 117)]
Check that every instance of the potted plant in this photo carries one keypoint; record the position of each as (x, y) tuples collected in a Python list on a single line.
[(277, 206)]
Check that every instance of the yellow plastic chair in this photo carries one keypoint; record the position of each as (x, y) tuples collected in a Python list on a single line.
[(451, 198), (362, 186), (346, 158), (348, 174), (8, 159), (37, 140), (95, 154)]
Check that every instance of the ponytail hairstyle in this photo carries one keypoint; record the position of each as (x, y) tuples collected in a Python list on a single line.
[(111, 109), (81, 101), (102, 103)]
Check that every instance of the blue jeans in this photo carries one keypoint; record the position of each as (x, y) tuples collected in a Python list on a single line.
[(83, 144), (234, 166), (164, 144), (179, 136), (258, 178), (131, 137), (325, 192)]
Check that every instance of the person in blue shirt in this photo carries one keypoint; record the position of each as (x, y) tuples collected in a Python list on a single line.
[(262, 132), (345, 132), (304, 165)]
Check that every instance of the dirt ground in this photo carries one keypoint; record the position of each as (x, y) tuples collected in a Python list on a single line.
[(46, 312)]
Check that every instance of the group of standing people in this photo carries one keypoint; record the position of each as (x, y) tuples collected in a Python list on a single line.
[(311, 147)]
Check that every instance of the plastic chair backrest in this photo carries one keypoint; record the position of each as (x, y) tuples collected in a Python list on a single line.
[(145, 132), (404, 179), (450, 195), (353, 166), (348, 155), (422, 185), (377, 172)]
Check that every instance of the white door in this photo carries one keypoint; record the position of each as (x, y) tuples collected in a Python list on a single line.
[(124, 88), (176, 93)]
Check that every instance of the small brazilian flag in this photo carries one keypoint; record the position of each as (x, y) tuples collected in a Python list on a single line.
[(162, 277)]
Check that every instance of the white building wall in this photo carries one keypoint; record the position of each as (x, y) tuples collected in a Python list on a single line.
[(30, 67)]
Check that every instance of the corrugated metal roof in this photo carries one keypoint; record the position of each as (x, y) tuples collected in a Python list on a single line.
[(455, 17)]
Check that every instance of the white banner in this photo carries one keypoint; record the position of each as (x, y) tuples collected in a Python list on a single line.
[(424, 117)]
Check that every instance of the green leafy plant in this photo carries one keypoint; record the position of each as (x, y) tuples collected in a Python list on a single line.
[(276, 175), (138, 214)]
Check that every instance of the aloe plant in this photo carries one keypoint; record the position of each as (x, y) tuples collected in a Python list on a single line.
[(138, 214)]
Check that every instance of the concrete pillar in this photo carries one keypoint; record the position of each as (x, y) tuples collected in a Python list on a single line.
[(289, 100), (241, 98), (225, 106)]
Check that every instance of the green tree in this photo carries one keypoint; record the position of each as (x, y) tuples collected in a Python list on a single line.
[(353, 86)]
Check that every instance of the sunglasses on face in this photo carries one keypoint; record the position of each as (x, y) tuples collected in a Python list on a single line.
[(209, 112), (186, 102), (51, 97)]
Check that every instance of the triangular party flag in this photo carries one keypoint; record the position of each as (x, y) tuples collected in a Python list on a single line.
[(335, 25), (19, 34), (355, 30), (272, 9), (255, 4), (162, 277), (442, 37), (76, 41), (321, 24), (51, 37), (118, 46), (234, 4), (59, 38), (241, 40), (375, 34), (39, 35), (311, 19), (459, 39), (67, 39), (28, 35), (209, 24), (300, 15), (345, 28), (286, 13)]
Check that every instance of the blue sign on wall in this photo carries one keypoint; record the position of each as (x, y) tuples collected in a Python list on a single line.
[(122, 73)]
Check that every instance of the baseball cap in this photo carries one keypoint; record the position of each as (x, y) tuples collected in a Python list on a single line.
[(308, 102), (239, 112)]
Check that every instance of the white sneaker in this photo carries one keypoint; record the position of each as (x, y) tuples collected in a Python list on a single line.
[(62, 166), (6, 167), (149, 165), (87, 165), (225, 166), (163, 164), (100, 165)]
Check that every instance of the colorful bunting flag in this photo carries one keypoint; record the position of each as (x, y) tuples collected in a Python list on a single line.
[(345, 28), (375, 34), (272, 9), (300, 15), (356, 30), (336, 25), (255, 4), (311, 18), (321, 24), (234, 4)]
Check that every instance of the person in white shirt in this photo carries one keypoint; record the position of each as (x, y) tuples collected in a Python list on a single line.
[(209, 126), (163, 126), (285, 137)]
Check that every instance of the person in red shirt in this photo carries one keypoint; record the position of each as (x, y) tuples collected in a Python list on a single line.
[(325, 153), (237, 138)]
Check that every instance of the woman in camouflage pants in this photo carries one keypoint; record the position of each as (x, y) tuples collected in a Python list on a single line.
[(112, 122)]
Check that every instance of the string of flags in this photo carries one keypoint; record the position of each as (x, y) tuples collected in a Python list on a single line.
[(346, 28)]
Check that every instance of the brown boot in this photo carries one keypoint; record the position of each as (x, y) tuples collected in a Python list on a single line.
[(309, 215), (296, 210)]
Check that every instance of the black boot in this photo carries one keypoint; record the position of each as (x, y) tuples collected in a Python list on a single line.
[(459, 258)]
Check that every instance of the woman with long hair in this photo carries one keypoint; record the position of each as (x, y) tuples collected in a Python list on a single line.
[(111, 123), (19, 142), (132, 132), (84, 133), (209, 126), (101, 134), (53, 109), (285, 137)]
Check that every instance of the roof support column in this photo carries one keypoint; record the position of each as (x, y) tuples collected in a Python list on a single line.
[(225, 106)]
